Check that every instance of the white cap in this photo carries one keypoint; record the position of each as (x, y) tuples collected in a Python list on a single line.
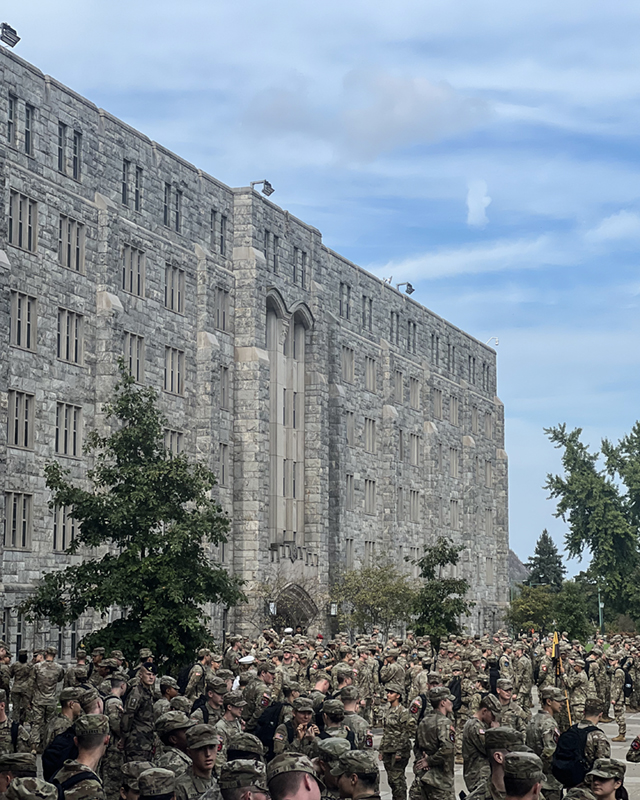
[(246, 660)]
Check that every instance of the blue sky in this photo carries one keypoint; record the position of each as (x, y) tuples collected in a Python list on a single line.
[(485, 151)]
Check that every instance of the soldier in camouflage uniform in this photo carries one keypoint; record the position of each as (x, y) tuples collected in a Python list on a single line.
[(14, 738), (77, 673), (168, 690), (542, 736), (231, 657), (392, 671), (46, 677), (258, 695), (434, 750), (596, 745), (476, 768), (15, 765), (240, 777), (602, 679), (88, 728), (506, 662), (136, 725), (522, 678), (329, 752), (359, 725), (577, 684), (70, 711), (523, 768), (202, 742), (22, 674), (156, 782), (395, 747), (212, 709), (366, 680), (229, 725), (361, 766), (172, 729), (617, 696), (496, 740), (111, 764), (547, 673), (511, 714), (31, 789), (97, 655), (198, 675)]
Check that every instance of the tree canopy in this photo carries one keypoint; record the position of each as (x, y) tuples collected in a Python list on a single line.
[(152, 513), (545, 565), (542, 609)]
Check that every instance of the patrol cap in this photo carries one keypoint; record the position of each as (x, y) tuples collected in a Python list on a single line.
[(51, 651), (201, 736), (506, 684), (181, 703), (438, 694), (98, 651), (217, 685), (349, 693), (90, 724), (608, 768), (303, 704), (173, 721), (131, 772), (502, 738), (109, 663), (203, 652), (217, 657), (3, 696), (88, 697), (267, 666), (579, 663), (247, 743), (234, 699), (492, 703), (80, 652), (145, 653), (31, 789), (167, 680), (23, 765), (118, 654), (69, 693), (524, 765), (394, 687), (579, 793), (243, 772), (355, 761), (393, 652), (291, 762), (332, 748), (335, 708), (551, 693), (225, 674), (156, 782)]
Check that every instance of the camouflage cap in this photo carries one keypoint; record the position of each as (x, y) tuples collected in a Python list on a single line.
[(225, 675), (608, 768), (502, 738), (88, 697), (551, 693), (216, 685), (217, 657), (234, 699), (291, 762), (579, 793), (156, 782), (303, 704), (21, 764), (267, 666), (51, 651), (98, 651), (168, 680), (579, 663), (393, 652), (80, 652), (242, 772), (524, 765), (247, 743), (349, 693), (109, 663), (201, 736), (203, 652), (492, 703), (173, 721), (70, 693), (31, 789), (131, 772), (506, 684), (394, 687), (90, 724), (332, 748), (3, 696), (181, 703), (144, 653), (118, 654), (355, 761), (334, 708), (438, 694)]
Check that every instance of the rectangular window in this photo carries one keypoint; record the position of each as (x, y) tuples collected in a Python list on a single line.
[(173, 370), (400, 504), (29, 114), (125, 182), (68, 430), (435, 349), (224, 388), (437, 403), (488, 425), (439, 458), (454, 514), (23, 222), (178, 211), (490, 574), (414, 505), (401, 448), (223, 239), (488, 474), (348, 364), (349, 493), (488, 522), (345, 300), (394, 328), (70, 336), (71, 243), (294, 410), (64, 528), (348, 553), (454, 462), (284, 406), (213, 229), (76, 156), (398, 386), (370, 435), (133, 261), (222, 309), (414, 393), (275, 247), (23, 321), (12, 114), (137, 190), (166, 208), (369, 497), (174, 289), (411, 336), (62, 147), (17, 520), (472, 369), (134, 355), (173, 441), (415, 449), (367, 313), (369, 554), (299, 266), (454, 410), (350, 422), (224, 465), (474, 420), (370, 374), (20, 419)]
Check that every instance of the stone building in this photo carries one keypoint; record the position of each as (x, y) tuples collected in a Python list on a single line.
[(348, 424)]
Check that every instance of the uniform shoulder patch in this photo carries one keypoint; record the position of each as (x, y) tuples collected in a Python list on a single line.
[(481, 731), (279, 737), (452, 734), (635, 744), (556, 735), (265, 700)]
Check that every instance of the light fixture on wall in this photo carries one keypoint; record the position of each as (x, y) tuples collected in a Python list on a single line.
[(267, 188), (9, 35), (408, 290)]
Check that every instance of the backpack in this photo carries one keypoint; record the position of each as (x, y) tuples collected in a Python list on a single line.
[(568, 765), (15, 727), (267, 723), (628, 684), (419, 708), (351, 737), (68, 784), (61, 748), (455, 687), (201, 702), (183, 677)]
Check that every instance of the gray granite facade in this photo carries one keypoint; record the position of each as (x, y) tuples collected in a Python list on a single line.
[(347, 423)]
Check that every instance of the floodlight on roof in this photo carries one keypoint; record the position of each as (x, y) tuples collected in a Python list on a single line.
[(9, 35), (408, 290), (267, 188)]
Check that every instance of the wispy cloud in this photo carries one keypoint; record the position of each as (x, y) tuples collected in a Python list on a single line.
[(477, 202), (620, 226)]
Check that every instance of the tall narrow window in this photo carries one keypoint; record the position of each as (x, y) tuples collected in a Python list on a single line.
[(173, 370), (350, 421), (437, 403), (17, 520), (178, 210), (173, 441), (134, 355), (11, 119), (370, 374), (137, 190), (345, 300), (167, 204), (349, 558), (348, 364), (400, 504), (488, 425), (222, 309), (454, 462), (411, 337), (398, 386), (401, 446), (23, 221), (454, 410), (174, 289), (71, 243), (29, 113), (68, 440), (414, 393), (64, 528), (369, 497), (125, 182), (275, 246), (415, 449), (414, 505), (213, 230), (454, 514), (474, 420), (70, 336), (488, 474), (349, 493), (23, 321), (370, 435), (223, 237), (62, 147), (224, 388), (76, 156), (224, 465), (133, 262), (20, 419)]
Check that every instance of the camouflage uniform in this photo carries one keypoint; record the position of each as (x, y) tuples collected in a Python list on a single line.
[(547, 673), (190, 787), (173, 759), (286, 740), (22, 690), (512, 716), (137, 724), (542, 736), (523, 681), (506, 666), (196, 681), (55, 726), (88, 789), (258, 696), (6, 744), (597, 744), (577, 684), (617, 698), (476, 767), (360, 728), (395, 746), (113, 759), (46, 676), (436, 737), (32, 788)]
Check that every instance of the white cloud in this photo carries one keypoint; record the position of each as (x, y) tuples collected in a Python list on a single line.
[(477, 202), (623, 225)]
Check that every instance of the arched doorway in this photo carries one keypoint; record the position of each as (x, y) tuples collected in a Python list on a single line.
[(295, 607)]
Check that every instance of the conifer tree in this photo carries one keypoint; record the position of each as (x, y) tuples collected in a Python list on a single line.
[(545, 565)]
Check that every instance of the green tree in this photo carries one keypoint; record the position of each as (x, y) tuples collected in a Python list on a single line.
[(533, 609), (369, 597), (571, 614), (545, 565), (152, 512), (441, 601), (601, 507)]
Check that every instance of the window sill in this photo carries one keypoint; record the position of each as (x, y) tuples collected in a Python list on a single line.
[(71, 363), (173, 394), (25, 349), (20, 447), (68, 455)]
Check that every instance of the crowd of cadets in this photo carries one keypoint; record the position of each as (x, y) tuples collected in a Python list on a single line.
[(109, 731)]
